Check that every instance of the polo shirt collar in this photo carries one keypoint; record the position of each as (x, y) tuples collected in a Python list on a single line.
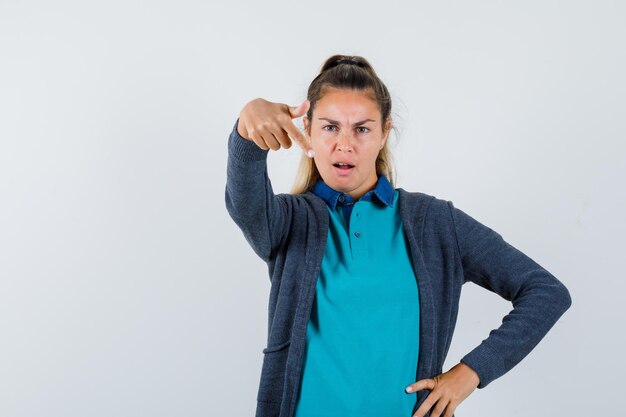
[(383, 191)]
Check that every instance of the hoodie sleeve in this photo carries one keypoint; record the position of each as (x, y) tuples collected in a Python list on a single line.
[(251, 203), (538, 297)]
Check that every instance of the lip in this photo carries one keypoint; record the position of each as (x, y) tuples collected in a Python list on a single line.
[(343, 171), (343, 161)]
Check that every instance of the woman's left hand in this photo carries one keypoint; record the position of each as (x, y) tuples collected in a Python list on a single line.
[(447, 390)]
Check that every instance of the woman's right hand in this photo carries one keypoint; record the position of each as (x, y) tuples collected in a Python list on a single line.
[(270, 125)]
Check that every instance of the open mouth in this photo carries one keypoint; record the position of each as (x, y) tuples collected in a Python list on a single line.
[(343, 166)]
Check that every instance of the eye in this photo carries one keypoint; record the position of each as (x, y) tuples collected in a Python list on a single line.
[(324, 127), (363, 127)]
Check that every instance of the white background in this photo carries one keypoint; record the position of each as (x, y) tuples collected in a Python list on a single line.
[(127, 290)]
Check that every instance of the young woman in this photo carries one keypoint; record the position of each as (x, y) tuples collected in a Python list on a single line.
[(366, 277)]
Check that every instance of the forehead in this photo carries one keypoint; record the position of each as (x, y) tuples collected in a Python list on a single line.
[(342, 103)]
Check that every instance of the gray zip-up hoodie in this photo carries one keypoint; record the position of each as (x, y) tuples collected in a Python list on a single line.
[(447, 246)]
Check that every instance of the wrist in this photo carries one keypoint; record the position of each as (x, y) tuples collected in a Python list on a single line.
[(471, 374)]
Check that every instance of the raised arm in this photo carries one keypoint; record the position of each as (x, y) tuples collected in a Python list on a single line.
[(261, 215)]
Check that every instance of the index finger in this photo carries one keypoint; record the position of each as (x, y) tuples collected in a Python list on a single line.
[(300, 137)]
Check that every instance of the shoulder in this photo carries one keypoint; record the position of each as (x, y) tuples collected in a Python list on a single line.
[(431, 217), (423, 202), (435, 216)]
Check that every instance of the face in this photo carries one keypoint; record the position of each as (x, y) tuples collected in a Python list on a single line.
[(346, 128)]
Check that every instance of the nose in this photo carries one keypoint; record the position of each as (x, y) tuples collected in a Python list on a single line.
[(344, 142)]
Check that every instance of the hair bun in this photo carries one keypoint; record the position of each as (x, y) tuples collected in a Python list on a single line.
[(346, 60), (349, 62)]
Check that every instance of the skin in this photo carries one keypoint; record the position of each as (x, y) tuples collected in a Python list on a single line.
[(270, 126), (447, 390)]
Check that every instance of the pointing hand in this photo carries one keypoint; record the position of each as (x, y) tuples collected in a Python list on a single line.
[(270, 125)]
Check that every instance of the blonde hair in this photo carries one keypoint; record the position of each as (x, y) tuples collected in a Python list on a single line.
[(354, 73)]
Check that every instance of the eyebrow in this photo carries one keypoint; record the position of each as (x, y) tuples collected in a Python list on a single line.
[(354, 124)]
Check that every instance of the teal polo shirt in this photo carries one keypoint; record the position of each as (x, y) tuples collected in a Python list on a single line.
[(362, 338)]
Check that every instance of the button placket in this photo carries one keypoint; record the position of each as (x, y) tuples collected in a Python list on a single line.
[(356, 233)]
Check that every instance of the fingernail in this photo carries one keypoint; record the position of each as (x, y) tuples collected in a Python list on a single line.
[(408, 389), (311, 153)]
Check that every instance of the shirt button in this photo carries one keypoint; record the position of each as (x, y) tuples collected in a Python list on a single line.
[(357, 234), (341, 198)]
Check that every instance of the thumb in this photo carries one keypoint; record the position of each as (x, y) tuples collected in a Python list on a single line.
[(300, 110)]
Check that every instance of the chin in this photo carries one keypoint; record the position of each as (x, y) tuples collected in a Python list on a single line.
[(341, 186)]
